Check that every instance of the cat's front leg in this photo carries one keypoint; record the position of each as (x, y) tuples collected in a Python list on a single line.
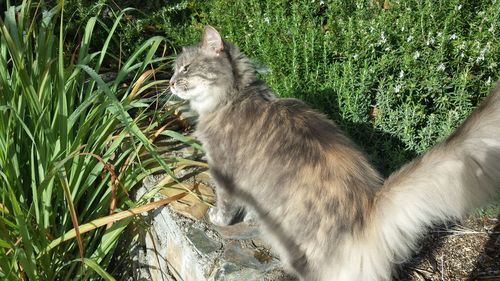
[(226, 210)]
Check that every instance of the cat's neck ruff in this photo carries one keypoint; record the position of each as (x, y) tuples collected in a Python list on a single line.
[(209, 99)]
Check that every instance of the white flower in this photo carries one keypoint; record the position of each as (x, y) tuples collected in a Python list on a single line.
[(355, 56), (481, 54), (461, 46), (401, 74), (266, 20), (397, 89), (441, 67), (416, 55), (488, 81), (459, 7), (462, 55), (491, 29), (453, 36), (409, 38), (439, 34), (382, 37), (429, 41)]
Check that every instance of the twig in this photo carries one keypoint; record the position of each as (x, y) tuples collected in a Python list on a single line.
[(113, 218), (442, 267)]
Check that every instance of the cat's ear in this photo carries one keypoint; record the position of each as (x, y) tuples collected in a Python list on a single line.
[(212, 42)]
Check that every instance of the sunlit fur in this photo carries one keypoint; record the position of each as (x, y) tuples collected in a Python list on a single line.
[(322, 206)]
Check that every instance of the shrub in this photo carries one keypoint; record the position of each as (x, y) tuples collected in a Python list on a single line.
[(397, 79)]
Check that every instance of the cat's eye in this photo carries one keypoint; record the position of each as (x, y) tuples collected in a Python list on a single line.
[(185, 68)]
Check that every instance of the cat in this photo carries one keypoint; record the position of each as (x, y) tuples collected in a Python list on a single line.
[(327, 212)]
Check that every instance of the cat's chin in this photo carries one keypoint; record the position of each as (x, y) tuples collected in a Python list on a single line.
[(178, 94)]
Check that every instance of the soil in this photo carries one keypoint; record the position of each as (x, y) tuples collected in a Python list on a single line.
[(466, 251)]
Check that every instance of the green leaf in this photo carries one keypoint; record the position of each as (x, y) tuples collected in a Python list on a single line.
[(109, 239), (182, 138), (117, 108), (99, 270)]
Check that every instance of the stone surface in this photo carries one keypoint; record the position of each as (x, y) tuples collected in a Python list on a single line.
[(247, 257), (193, 206), (201, 242), (182, 245), (238, 231)]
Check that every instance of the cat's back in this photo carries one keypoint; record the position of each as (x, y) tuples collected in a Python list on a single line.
[(257, 117), (296, 122), (262, 108)]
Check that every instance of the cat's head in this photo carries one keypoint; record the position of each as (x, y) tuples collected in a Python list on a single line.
[(208, 74)]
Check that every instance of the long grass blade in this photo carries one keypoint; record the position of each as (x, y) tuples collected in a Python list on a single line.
[(84, 228), (72, 210), (117, 108), (99, 270)]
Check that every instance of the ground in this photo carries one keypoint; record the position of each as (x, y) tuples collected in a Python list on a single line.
[(469, 250)]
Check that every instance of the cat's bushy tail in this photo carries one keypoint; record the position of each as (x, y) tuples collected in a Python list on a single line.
[(460, 174)]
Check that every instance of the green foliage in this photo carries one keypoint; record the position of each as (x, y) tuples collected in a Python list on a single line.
[(397, 80), (67, 140), (170, 19)]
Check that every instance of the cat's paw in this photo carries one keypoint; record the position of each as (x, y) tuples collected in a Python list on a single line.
[(250, 217), (218, 218)]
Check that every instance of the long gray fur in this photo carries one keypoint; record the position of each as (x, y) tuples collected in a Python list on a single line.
[(327, 210)]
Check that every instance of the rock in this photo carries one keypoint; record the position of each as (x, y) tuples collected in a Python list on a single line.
[(235, 254), (180, 248), (247, 274), (238, 231), (191, 206), (202, 243)]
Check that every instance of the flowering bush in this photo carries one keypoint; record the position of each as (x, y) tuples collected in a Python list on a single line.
[(397, 76), (412, 70)]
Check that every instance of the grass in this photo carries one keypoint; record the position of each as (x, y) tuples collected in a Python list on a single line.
[(71, 144)]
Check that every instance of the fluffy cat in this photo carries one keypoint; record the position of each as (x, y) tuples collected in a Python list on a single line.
[(327, 211)]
